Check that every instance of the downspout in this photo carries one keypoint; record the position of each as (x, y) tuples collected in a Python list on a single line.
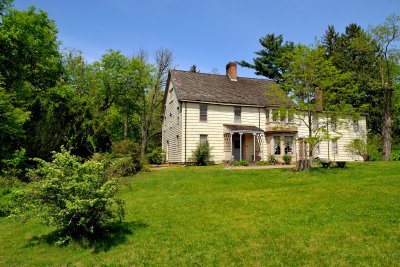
[(185, 127)]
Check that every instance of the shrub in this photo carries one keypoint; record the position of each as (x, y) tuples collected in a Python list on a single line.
[(124, 159), (202, 154), (241, 163), (157, 156), (358, 147), (272, 160), (78, 198), (261, 163), (15, 167), (395, 155), (374, 144), (287, 158)]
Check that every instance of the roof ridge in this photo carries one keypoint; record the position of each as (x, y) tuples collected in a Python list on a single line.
[(223, 75)]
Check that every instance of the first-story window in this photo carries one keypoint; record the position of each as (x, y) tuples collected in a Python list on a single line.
[(317, 149), (203, 112), (277, 145), (203, 139), (288, 144), (334, 147)]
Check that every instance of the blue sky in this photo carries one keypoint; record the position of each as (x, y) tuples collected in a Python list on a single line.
[(206, 33)]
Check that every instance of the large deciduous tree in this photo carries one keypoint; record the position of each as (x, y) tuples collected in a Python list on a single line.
[(386, 35)]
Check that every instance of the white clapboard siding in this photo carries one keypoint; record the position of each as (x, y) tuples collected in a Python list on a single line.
[(172, 127), (217, 116)]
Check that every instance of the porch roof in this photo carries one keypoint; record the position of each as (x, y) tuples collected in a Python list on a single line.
[(238, 128)]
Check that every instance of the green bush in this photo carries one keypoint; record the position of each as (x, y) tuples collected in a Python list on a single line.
[(124, 159), (374, 146), (15, 167), (272, 160), (261, 163), (77, 198), (157, 156), (395, 155), (287, 158), (202, 154), (241, 163)]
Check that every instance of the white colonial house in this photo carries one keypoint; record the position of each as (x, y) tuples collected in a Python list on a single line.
[(237, 118)]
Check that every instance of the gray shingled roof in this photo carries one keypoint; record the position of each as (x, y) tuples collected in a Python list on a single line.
[(201, 87)]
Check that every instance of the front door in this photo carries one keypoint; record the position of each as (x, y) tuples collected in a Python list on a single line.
[(236, 146)]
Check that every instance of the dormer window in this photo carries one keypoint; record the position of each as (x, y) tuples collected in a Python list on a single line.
[(238, 114)]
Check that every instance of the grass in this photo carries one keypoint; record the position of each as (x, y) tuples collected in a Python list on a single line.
[(212, 216)]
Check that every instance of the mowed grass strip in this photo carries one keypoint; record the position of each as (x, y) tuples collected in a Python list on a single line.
[(183, 216)]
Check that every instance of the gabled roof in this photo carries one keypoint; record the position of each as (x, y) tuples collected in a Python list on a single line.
[(213, 88)]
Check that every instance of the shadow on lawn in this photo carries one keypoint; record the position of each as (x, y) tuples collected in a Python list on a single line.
[(103, 240)]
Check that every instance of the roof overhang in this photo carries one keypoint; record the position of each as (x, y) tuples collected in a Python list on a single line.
[(239, 128)]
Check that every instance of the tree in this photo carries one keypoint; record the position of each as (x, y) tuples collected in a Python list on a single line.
[(12, 120), (354, 52), (309, 75), (271, 62), (4, 4), (385, 35), (151, 101), (194, 69)]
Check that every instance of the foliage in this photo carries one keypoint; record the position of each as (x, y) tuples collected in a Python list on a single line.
[(15, 166), (395, 155), (157, 156), (12, 120), (357, 146), (271, 61), (272, 160), (202, 154), (374, 146), (287, 158), (261, 163), (77, 198), (241, 163)]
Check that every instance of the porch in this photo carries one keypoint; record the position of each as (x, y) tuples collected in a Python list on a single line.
[(243, 142)]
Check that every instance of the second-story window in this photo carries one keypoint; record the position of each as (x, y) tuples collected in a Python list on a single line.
[(203, 112), (283, 116), (238, 114), (355, 125), (267, 115), (275, 115), (290, 117)]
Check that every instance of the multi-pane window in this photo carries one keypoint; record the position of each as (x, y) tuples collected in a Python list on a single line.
[(203, 112), (334, 147), (288, 144), (355, 125), (277, 145), (238, 114), (203, 138), (267, 115)]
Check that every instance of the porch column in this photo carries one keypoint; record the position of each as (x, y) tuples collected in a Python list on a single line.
[(262, 144), (231, 146), (254, 146), (241, 145)]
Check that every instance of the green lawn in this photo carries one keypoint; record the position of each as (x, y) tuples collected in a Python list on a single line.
[(212, 216)]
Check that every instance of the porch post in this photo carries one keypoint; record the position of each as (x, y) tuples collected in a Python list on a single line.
[(262, 143), (231, 146), (254, 147), (240, 145)]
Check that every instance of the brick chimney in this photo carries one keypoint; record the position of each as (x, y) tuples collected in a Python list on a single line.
[(231, 71), (318, 100)]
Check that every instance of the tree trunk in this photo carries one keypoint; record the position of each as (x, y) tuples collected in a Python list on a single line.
[(126, 127), (387, 124)]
